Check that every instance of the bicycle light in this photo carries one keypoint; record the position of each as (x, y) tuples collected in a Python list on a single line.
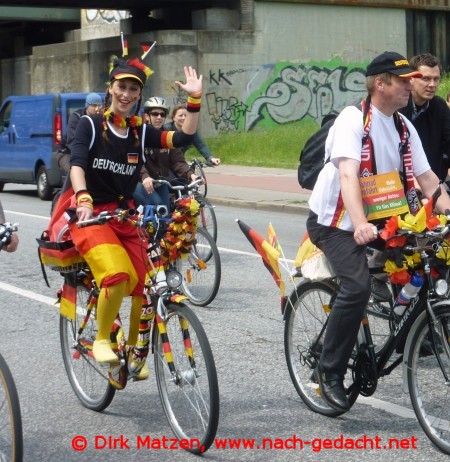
[(441, 287), (174, 279)]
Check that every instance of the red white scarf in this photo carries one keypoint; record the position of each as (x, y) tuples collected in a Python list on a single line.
[(368, 164)]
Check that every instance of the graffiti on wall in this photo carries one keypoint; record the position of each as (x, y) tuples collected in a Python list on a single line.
[(108, 16), (242, 99)]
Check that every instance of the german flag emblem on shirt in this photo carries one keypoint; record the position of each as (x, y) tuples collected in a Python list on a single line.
[(132, 157)]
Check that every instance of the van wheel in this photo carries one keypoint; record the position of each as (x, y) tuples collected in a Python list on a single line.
[(2, 185), (44, 190)]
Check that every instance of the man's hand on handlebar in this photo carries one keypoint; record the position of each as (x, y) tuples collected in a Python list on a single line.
[(9, 239), (13, 243)]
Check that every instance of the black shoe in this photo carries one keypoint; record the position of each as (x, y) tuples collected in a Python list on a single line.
[(332, 389), (380, 290)]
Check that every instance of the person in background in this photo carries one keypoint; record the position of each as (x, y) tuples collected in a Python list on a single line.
[(178, 116), (92, 105), (429, 113), (337, 222), (159, 163)]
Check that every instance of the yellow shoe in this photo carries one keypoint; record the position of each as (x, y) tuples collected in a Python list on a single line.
[(143, 373), (103, 352)]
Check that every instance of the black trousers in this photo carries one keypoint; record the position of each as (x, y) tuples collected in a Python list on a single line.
[(349, 262)]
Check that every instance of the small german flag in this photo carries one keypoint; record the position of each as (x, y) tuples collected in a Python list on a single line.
[(146, 48), (133, 157)]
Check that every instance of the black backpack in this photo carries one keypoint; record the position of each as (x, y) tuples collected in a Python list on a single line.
[(313, 155)]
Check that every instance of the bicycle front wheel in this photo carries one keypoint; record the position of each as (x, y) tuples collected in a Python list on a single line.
[(187, 379), (307, 311), (428, 389), (201, 270), (207, 216), (198, 170), (88, 379), (11, 439)]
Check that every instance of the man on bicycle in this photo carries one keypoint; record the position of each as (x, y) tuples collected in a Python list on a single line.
[(362, 142), (14, 242)]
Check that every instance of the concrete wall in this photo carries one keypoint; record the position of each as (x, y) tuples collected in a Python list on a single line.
[(299, 63)]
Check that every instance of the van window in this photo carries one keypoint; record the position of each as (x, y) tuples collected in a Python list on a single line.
[(5, 116), (35, 118), (73, 105)]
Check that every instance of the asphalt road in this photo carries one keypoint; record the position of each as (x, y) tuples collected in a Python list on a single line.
[(259, 404)]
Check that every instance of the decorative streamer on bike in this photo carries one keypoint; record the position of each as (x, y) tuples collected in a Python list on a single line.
[(180, 232), (399, 266)]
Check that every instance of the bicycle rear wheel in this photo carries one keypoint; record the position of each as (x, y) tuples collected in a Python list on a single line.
[(207, 216), (190, 392), (11, 438), (88, 379), (428, 389), (201, 270), (307, 311)]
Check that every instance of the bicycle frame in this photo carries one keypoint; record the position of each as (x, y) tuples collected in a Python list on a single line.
[(417, 309)]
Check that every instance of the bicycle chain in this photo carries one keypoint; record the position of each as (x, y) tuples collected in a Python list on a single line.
[(363, 375)]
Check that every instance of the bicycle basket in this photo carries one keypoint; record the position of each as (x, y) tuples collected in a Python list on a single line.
[(60, 256)]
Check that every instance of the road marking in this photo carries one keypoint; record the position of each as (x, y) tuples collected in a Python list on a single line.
[(12, 212), (28, 294), (395, 409), (249, 254)]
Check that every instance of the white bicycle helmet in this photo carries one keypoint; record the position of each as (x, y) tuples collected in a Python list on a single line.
[(156, 102)]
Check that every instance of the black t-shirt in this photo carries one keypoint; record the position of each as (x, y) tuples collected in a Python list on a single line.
[(113, 166)]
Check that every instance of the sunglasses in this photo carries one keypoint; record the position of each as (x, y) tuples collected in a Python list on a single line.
[(156, 114)]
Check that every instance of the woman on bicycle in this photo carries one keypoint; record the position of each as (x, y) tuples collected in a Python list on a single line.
[(159, 163), (179, 114), (107, 156)]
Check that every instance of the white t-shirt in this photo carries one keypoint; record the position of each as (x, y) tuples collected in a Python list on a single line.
[(345, 140)]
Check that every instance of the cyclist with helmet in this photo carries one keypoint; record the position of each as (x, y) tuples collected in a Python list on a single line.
[(159, 163)]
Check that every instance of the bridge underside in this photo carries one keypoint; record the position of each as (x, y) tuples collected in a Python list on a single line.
[(28, 23)]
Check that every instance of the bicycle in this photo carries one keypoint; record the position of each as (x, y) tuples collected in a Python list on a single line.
[(184, 364), (425, 326), (207, 215), (197, 167), (11, 436), (201, 270)]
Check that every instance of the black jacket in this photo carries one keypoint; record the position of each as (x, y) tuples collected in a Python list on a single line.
[(433, 127)]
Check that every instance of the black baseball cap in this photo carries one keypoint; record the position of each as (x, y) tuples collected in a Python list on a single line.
[(392, 63)]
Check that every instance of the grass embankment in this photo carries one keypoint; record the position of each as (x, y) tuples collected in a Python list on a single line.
[(277, 147)]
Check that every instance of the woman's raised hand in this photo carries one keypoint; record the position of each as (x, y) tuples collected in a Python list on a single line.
[(193, 83)]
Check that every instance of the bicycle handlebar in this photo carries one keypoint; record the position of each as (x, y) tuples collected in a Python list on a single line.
[(183, 187), (103, 217), (6, 230), (195, 161)]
